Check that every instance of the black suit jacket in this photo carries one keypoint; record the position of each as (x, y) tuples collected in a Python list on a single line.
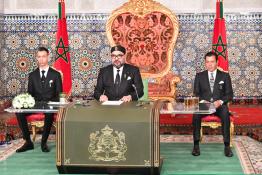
[(52, 86), (222, 87), (130, 75)]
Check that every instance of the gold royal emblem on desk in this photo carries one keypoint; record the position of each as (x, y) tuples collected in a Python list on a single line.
[(107, 145)]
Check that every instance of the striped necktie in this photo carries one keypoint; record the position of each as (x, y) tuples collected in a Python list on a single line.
[(212, 81)]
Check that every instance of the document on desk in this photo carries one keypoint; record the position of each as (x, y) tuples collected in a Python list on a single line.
[(112, 103)]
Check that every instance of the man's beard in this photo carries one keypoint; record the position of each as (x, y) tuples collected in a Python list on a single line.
[(118, 66)]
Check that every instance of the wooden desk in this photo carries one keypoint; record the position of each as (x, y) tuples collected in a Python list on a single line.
[(109, 139)]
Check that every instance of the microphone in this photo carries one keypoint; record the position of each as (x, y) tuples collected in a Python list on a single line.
[(134, 86), (138, 103)]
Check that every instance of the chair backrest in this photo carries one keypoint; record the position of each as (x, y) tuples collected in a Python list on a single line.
[(149, 31)]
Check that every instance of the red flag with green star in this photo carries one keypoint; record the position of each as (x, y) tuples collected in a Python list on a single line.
[(219, 38), (62, 62)]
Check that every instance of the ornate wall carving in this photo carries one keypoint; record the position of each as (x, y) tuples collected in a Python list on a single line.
[(90, 50)]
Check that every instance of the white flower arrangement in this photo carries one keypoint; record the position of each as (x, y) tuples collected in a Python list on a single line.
[(23, 101)]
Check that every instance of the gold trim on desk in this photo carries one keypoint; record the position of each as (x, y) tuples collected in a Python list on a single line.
[(60, 116), (157, 107)]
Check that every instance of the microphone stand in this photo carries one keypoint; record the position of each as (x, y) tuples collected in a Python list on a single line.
[(138, 103)]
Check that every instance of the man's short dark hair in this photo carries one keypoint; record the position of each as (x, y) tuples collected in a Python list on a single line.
[(210, 54), (118, 48), (43, 49)]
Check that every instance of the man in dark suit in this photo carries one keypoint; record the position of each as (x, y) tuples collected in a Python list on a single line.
[(119, 81), (44, 84), (214, 86)]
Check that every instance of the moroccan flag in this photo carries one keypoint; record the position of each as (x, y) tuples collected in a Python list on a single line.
[(219, 38), (62, 62)]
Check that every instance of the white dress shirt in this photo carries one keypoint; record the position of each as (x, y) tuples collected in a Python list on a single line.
[(115, 72), (46, 70)]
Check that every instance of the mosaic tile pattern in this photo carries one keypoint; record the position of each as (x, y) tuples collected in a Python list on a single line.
[(21, 35)]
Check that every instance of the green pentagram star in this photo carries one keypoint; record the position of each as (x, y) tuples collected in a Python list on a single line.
[(220, 44), (65, 49)]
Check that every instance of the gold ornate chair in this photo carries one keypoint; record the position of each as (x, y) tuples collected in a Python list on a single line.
[(149, 31), (214, 122), (36, 121)]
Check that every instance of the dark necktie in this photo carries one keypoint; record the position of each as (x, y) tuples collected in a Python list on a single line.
[(212, 81), (43, 78), (117, 84), (117, 80)]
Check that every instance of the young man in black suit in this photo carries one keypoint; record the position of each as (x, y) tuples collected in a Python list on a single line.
[(44, 84), (213, 85), (119, 81)]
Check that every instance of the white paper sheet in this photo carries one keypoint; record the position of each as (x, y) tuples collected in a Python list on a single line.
[(114, 103), (57, 103)]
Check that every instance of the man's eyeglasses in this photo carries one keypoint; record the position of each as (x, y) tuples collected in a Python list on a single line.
[(117, 56)]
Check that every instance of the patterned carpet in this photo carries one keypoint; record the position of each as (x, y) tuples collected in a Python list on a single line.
[(248, 150), (7, 150)]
